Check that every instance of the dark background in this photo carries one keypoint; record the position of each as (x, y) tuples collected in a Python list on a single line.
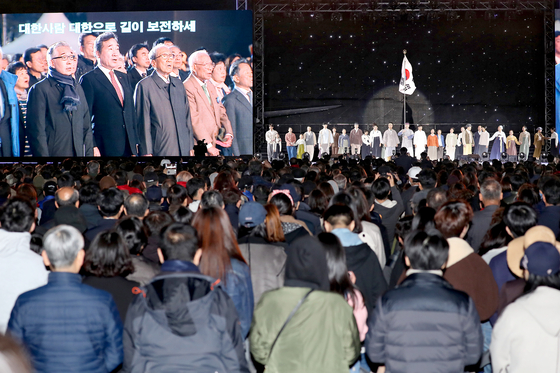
[(475, 71)]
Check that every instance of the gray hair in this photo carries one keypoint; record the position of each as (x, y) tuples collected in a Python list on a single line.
[(234, 69), (194, 57), (153, 53), (106, 36), (62, 244), (93, 167), (491, 190), (53, 47)]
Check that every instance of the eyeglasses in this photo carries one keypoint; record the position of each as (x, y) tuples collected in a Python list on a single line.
[(166, 56), (65, 58), (205, 64)]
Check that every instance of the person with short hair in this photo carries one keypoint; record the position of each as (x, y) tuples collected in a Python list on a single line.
[(82, 328), (36, 64), (433, 326), (110, 203), (550, 215), (491, 196), (21, 86), (86, 59), (390, 210), (195, 189), (140, 63), (136, 205), (184, 321), (21, 269)]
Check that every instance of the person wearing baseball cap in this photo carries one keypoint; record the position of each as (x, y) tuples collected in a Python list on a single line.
[(525, 338), (407, 195)]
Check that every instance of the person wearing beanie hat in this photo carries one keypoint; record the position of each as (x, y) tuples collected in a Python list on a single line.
[(525, 338), (321, 335)]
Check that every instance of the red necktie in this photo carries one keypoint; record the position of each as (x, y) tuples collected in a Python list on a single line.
[(116, 86)]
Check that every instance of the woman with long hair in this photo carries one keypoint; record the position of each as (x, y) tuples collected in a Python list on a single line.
[(107, 263), (224, 180), (222, 259)]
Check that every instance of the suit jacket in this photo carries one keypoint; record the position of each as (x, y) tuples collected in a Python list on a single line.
[(114, 125), (51, 130), (164, 120), (240, 114), (206, 119), (480, 225), (133, 77)]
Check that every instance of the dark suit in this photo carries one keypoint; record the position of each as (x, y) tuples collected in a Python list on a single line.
[(240, 114), (163, 117), (479, 227), (133, 77), (114, 125), (51, 130)]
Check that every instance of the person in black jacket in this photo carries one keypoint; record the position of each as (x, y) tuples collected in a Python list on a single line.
[(183, 321), (424, 325)]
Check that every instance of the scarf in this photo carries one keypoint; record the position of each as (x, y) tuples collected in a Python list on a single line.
[(70, 98)]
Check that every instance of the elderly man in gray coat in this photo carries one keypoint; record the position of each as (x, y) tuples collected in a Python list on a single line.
[(162, 110)]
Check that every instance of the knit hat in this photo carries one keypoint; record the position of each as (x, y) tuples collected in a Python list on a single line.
[(306, 264), (541, 259), (251, 214)]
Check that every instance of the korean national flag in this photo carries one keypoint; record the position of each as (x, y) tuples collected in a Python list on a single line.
[(406, 85)]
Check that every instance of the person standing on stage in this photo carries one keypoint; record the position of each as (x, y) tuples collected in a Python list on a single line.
[(11, 130), (432, 145), (539, 143), (420, 142), (325, 140), (162, 109), (366, 145), (459, 149), (553, 142), (441, 145), (343, 143), (310, 142), (406, 138), (376, 141), (277, 147), (270, 137), (334, 146), (139, 57), (499, 146), (356, 139), (58, 119), (525, 140), (291, 147), (511, 142), (300, 147), (87, 60), (111, 102), (476, 137), (468, 140), (451, 143), (484, 141), (390, 141)]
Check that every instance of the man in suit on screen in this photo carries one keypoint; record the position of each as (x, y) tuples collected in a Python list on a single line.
[(138, 55), (111, 102), (208, 114), (239, 107)]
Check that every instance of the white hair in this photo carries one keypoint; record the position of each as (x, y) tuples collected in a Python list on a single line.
[(62, 244), (153, 53), (54, 47), (194, 57)]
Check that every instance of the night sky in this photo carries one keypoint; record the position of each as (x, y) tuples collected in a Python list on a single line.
[(480, 71)]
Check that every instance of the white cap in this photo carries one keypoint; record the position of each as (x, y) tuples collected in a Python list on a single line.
[(413, 172)]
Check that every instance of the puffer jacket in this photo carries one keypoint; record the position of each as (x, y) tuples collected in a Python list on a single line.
[(239, 287), (424, 325), (183, 322), (68, 326)]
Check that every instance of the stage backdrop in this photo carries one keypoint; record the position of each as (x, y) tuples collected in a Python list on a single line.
[(480, 71)]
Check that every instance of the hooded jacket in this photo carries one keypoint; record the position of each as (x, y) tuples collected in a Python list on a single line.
[(21, 270), (526, 336), (183, 322)]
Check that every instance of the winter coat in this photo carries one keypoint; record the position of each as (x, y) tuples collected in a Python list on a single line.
[(239, 287), (266, 262), (68, 326), (525, 338), (183, 322), (424, 325), (21, 270), (321, 336)]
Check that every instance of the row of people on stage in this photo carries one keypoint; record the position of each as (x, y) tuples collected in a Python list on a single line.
[(437, 145), (64, 104)]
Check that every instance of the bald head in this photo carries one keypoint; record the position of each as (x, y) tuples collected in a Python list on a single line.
[(67, 196)]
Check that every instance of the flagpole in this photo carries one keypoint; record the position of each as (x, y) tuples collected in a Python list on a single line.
[(404, 99)]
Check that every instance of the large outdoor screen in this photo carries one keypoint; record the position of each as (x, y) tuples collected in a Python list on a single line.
[(56, 117)]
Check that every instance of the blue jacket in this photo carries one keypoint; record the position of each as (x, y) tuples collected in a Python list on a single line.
[(10, 82), (68, 326), (240, 289), (424, 325)]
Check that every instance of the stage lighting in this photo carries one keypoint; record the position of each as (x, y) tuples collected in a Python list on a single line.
[(258, 156), (317, 17), (504, 156), (485, 156), (305, 156), (282, 156), (521, 157)]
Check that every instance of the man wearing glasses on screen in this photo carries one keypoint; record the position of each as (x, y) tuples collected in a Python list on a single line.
[(58, 120), (209, 119), (162, 110)]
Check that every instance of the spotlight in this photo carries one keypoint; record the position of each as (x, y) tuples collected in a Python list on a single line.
[(504, 156), (485, 156), (305, 156), (317, 17), (521, 157), (282, 156), (258, 156)]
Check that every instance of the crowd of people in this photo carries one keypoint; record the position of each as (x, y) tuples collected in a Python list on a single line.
[(228, 265), (436, 145), (153, 101)]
